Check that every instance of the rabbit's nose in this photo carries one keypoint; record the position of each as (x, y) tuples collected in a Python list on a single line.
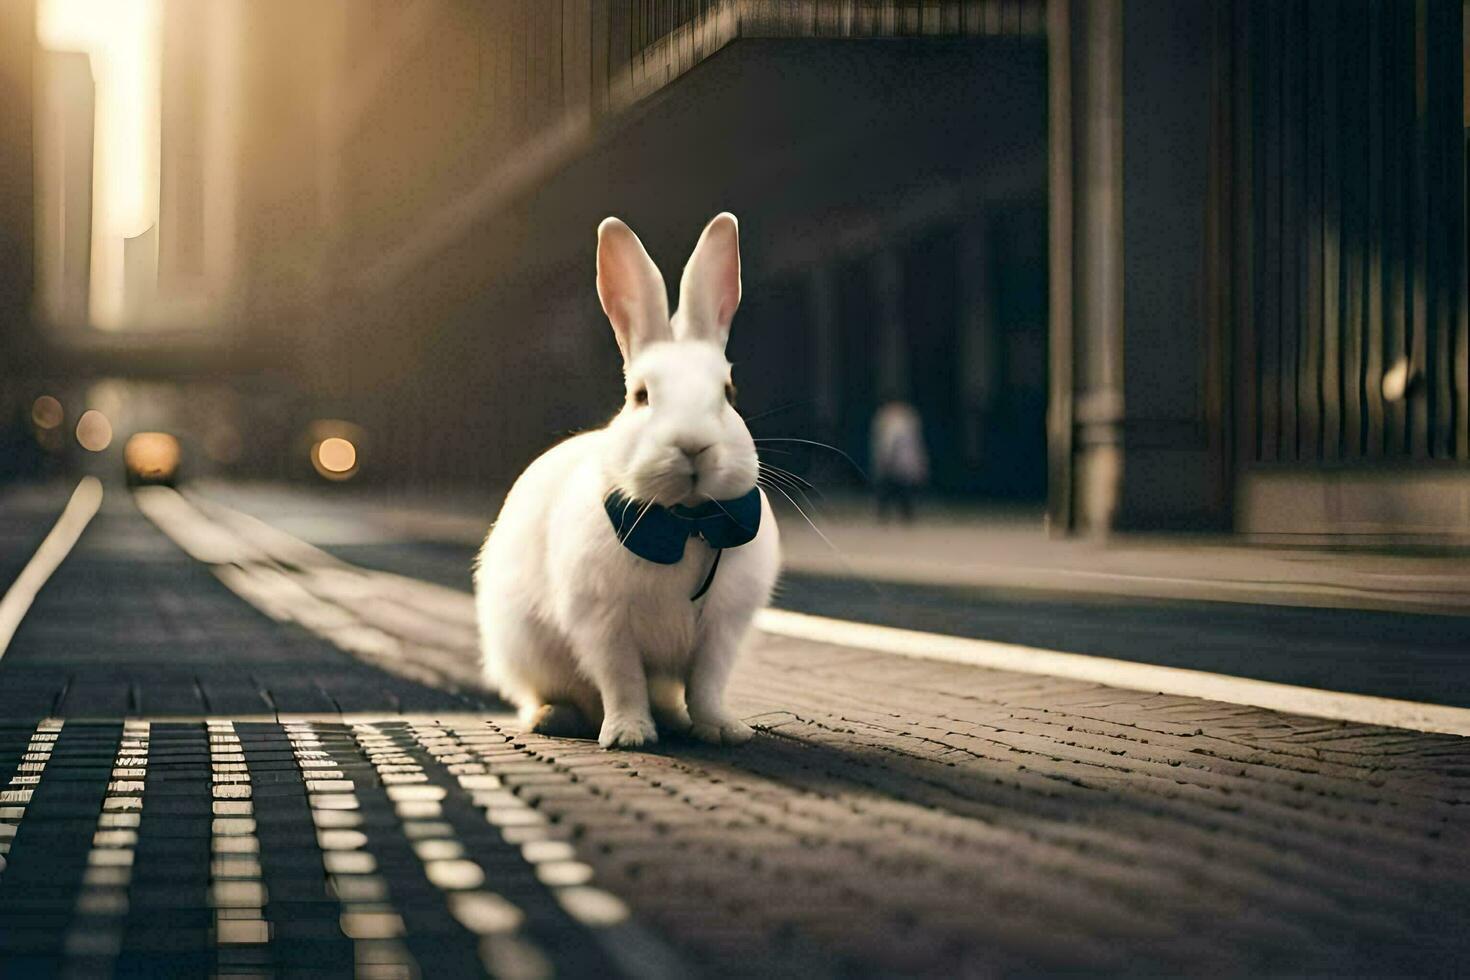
[(693, 452)]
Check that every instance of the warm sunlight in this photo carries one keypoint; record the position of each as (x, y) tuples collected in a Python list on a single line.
[(641, 488), (122, 39)]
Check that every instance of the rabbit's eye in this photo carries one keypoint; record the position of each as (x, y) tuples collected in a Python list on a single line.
[(730, 392), (640, 396)]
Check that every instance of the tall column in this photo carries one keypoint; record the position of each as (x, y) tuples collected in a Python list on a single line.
[(1086, 263), (64, 124), (220, 142)]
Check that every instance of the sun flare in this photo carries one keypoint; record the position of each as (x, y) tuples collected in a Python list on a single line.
[(122, 38)]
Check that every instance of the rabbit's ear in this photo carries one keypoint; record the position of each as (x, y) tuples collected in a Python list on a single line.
[(631, 289), (709, 293)]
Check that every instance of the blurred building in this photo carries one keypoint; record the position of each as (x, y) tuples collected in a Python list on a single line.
[(860, 171), (17, 187), (65, 109), (19, 453), (1159, 264), (199, 164)]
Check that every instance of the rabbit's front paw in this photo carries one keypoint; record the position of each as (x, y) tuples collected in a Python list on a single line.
[(728, 731), (627, 732)]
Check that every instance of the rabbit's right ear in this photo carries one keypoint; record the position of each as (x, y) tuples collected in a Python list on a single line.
[(631, 289)]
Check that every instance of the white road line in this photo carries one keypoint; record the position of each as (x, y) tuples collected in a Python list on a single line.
[(1361, 708), (85, 500), (415, 629)]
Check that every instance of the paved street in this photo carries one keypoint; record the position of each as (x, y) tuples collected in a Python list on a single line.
[(240, 732), (1104, 366)]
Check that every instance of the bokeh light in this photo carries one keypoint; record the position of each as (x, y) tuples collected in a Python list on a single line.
[(151, 456), (334, 458), (94, 431), (1396, 380), (47, 412)]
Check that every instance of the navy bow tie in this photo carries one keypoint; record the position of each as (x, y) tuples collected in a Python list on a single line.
[(659, 533)]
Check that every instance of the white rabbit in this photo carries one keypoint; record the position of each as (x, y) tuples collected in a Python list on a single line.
[(577, 630)]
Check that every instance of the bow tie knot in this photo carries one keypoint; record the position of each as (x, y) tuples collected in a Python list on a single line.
[(658, 534)]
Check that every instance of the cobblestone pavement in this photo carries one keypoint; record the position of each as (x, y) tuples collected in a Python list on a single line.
[(305, 811), (1363, 649)]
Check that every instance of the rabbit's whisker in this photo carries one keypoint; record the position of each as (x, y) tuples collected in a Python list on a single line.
[(770, 477), (826, 540), (646, 508), (821, 445), (777, 410), (773, 468), (722, 507), (789, 479), (776, 480)]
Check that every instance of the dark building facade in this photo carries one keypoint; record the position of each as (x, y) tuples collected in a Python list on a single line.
[(17, 187), (1353, 405), (1265, 309), (18, 452), (1160, 264)]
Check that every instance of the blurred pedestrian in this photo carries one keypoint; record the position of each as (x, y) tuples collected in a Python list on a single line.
[(900, 461)]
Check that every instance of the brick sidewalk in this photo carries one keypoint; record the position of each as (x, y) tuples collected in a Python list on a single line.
[(260, 848), (894, 815)]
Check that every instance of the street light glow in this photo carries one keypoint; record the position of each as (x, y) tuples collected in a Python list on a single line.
[(94, 431), (47, 412), (335, 458)]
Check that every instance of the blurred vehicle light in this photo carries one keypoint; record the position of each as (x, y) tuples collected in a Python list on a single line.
[(94, 431), (152, 457), (47, 412), (334, 458)]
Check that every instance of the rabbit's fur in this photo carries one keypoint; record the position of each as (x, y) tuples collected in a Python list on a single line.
[(579, 632)]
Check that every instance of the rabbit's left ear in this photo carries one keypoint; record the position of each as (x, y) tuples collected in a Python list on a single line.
[(709, 293), (631, 289)]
